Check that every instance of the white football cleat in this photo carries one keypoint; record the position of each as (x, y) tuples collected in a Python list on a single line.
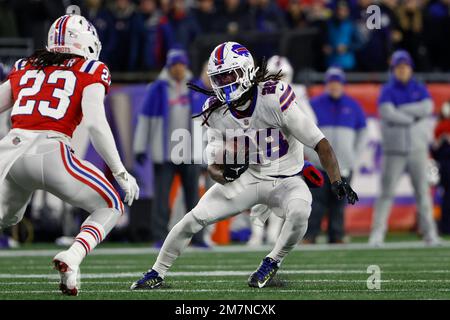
[(69, 273)]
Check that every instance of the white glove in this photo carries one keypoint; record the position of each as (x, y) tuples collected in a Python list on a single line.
[(129, 185)]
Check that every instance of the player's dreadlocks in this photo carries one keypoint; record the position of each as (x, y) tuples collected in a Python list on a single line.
[(42, 58), (262, 75)]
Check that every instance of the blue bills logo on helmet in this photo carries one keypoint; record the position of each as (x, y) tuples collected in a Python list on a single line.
[(240, 50)]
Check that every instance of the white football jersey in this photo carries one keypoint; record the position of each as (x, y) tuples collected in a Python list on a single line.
[(274, 121)]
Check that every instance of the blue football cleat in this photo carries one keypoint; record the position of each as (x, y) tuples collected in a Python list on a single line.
[(150, 280), (264, 274)]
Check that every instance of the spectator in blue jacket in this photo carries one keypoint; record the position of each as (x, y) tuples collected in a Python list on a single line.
[(405, 107), (166, 113), (343, 38), (343, 123)]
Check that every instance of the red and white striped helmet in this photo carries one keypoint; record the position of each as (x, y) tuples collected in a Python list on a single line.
[(76, 35)]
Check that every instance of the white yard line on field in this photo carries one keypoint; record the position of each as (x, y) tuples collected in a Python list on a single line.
[(217, 273), (231, 249), (91, 266), (88, 282)]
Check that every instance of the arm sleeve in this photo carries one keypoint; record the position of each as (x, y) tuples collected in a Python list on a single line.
[(389, 113), (6, 98), (418, 109), (301, 126), (98, 127)]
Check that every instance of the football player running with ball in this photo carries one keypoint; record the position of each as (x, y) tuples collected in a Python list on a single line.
[(248, 102), (50, 93)]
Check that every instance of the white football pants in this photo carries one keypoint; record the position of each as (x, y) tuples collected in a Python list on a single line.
[(290, 195), (50, 165)]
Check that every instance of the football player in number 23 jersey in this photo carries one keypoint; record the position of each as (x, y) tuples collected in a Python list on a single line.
[(50, 93)]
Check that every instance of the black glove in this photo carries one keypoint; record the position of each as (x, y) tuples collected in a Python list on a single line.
[(233, 171), (141, 158), (342, 189)]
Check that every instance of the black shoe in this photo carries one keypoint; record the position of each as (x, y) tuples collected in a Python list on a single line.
[(150, 280), (264, 274)]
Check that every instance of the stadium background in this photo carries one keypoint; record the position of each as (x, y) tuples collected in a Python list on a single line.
[(137, 34)]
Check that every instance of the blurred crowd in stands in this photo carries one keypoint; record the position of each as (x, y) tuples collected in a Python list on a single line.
[(136, 34)]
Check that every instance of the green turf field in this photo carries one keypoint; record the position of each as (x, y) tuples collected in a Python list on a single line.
[(408, 271)]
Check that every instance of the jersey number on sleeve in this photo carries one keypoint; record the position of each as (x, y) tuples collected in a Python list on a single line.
[(61, 94)]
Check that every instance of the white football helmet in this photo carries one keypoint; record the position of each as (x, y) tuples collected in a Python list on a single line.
[(277, 63), (231, 71), (76, 35)]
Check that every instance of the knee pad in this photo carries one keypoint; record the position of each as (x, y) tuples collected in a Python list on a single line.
[(298, 211)]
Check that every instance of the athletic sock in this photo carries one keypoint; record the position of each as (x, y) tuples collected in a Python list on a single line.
[(96, 227)]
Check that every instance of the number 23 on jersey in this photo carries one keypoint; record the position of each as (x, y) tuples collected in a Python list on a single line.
[(29, 98), (50, 98)]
